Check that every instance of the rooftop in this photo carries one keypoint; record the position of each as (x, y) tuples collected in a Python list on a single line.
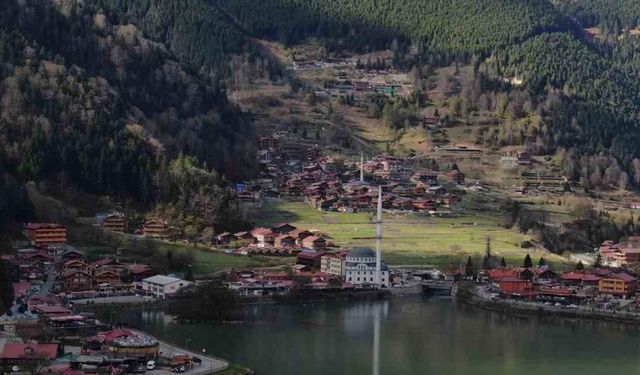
[(162, 279)]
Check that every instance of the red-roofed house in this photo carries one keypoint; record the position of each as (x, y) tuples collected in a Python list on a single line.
[(310, 258), (19, 353), (51, 310), (513, 286), (140, 271), (314, 243), (264, 237)]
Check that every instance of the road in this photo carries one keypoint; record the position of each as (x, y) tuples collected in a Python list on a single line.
[(48, 284), (209, 364)]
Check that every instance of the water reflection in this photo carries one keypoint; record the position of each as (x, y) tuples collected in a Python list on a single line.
[(408, 336)]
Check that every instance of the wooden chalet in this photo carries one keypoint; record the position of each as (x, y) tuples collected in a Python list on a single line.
[(155, 228), (45, 234)]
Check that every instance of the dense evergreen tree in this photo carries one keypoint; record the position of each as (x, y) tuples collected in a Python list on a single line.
[(528, 263), (451, 26)]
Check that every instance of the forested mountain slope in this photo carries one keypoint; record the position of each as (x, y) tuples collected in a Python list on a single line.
[(613, 15), (94, 104), (457, 26), (600, 106), (196, 32)]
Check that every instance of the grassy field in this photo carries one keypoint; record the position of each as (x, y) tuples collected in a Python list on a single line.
[(410, 239)]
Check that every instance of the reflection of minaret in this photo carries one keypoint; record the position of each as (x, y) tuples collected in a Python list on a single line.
[(376, 341), (361, 166), (379, 238)]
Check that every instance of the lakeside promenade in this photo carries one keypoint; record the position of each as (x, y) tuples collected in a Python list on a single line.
[(477, 296)]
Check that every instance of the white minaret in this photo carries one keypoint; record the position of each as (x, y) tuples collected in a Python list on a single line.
[(361, 166), (379, 238)]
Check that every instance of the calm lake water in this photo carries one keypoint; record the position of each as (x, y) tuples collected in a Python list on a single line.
[(416, 336)]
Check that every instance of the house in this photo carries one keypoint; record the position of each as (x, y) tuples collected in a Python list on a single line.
[(75, 265), (496, 275), (544, 275), (76, 280), (300, 234), (515, 287), (244, 238), (72, 254), (51, 310), (621, 254), (618, 284), (285, 240), (45, 234), (13, 353), (314, 243), (107, 262), (333, 263), (263, 237), (107, 279), (282, 228), (138, 272), (155, 228), (115, 222), (360, 268), (161, 286), (575, 278), (310, 258)]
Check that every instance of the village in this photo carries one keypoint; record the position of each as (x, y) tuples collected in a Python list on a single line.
[(51, 326), (52, 281)]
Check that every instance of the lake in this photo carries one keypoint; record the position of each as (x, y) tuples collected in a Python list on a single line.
[(415, 336)]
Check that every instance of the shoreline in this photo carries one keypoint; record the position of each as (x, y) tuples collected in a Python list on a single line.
[(519, 309), (210, 364)]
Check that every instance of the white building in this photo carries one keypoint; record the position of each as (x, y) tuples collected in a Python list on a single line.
[(161, 286), (360, 268)]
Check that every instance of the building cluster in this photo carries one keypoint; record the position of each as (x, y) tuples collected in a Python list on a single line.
[(331, 184), (575, 287), (95, 348), (50, 267), (50, 276), (622, 254), (314, 269), (281, 239)]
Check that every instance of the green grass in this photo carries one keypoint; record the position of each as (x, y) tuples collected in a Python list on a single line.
[(208, 261), (410, 239)]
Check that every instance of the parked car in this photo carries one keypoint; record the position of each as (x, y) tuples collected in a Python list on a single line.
[(151, 365)]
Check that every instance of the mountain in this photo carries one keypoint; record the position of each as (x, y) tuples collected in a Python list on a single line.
[(87, 99), (583, 91)]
